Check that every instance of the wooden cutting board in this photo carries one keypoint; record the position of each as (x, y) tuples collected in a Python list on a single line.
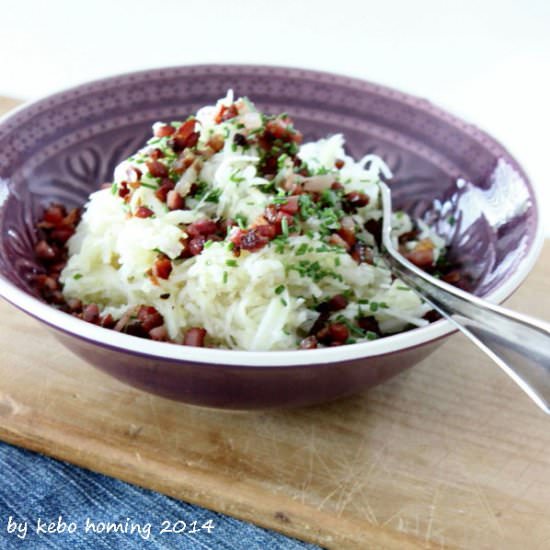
[(450, 454)]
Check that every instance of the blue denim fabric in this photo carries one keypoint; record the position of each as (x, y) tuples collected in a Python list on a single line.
[(33, 486)]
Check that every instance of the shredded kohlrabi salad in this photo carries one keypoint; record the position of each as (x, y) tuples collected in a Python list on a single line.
[(226, 230)]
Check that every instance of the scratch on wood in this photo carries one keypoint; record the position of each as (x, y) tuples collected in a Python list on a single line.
[(155, 416), (282, 517), (10, 407)]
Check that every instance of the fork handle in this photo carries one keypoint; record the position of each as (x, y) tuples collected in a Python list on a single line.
[(519, 344)]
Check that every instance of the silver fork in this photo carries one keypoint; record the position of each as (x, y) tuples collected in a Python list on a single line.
[(519, 344)]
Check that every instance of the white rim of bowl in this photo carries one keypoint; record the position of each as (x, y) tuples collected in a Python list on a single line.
[(291, 358)]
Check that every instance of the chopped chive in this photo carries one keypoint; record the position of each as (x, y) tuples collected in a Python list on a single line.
[(148, 185), (241, 220), (383, 305), (280, 289), (77, 276), (283, 301), (402, 287), (114, 188), (230, 245), (302, 249), (371, 335), (234, 178), (373, 306), (284, 226), (208, 244), (231, 263), (225, 276)]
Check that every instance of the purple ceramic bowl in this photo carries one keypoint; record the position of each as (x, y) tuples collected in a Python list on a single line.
[(60, 148)]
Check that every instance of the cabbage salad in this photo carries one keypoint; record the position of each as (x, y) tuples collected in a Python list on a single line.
[(226, 230)]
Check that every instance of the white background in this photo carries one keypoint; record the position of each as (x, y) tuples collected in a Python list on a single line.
[(487, 61)]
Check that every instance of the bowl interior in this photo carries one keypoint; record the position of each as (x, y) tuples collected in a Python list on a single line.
[(61, 148)]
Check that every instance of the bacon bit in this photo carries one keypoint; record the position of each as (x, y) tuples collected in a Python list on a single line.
[(240, 140), (72, 218), (361, 253), (309, 343), (270, 213), (453, 277), (55, 269), (162, 192), (248, 239), (164, 131), (123, 190), (408, 236), (43, 282), (421, 257), (174, 200), (107, 321), (336, 240), (194, 337), (336, 186), (46, 252), (157, 169), (369, 324), (216, 143), (54, 214), (338, 302), (185, 136), (291, 206), (162, 268), (187, 128), (74, 304), (62, 234), (143, 212), (338, 332), (160, 334), (374, 227), (270, 166), (432, 316), (348, 236), (339, 163), (268, 231), (323, 334), (356, 199), (259, 221), (149, 317), (133, 175), (91, 313), (196, 245), (226, 113), (56, 297), (186, 159), (226, 225), (252, 240), (279, 129), (201, 227), (156, 154)]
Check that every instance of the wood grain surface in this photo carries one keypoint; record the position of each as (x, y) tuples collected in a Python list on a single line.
[(450, 454)]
